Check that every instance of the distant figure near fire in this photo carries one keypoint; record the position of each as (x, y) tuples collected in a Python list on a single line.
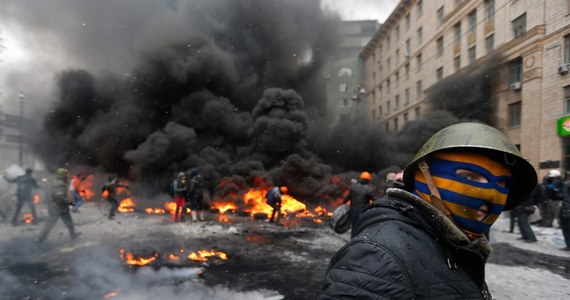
[(24, 186), (360, 195), (74, 190), (273, 199), (58, 206), (195, 195), (109, 191), (180, 190)]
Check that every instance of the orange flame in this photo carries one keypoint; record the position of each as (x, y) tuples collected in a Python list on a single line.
[(36, 199), (222, 207), (170, 206), (86, 188), (203, 255), (130, 259), (105, 194), (173, 257), (28, 218), (126, 205), (111, 294), (156, 211)]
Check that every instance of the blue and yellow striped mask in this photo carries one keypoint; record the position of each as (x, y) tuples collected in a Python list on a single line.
[(474, 205)]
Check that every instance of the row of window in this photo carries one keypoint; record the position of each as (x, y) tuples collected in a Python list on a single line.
[(396, 121)]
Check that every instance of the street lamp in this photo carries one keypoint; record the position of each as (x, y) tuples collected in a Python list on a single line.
[(21, 145)]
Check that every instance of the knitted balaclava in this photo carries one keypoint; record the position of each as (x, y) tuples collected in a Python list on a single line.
[(474, 205)]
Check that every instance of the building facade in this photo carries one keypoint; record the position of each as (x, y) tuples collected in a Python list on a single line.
[(344, 74), (423, 42)]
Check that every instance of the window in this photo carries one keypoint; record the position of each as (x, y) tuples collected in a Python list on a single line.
[(489, 9), (490, 43), (380, 70), (420, 36), (515, 70), (373, 114), (388, 43), (397, 33), (439, 73), (567, 99), (407, 97), (380, 91), (439, 46), (396, 124), (439, 14), (419, 61), (408, 50), (420, 8), (397, 75), (397, 104), (345, 72), (457, 63), (345, 103), (457, 33), (407, 22), (388, 107), (472, 17), (387, 127), (567, 49), (379, 111), (344, 87), (397, 57), (418, 112), (519, 25), (388, 86), (472, 54), (388, 64), (373, 96), (407, 70), (514, 117), (419, 91), (405, 118)]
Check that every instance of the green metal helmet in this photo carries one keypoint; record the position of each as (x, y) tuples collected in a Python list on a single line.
[(486, 140), (61, 172)]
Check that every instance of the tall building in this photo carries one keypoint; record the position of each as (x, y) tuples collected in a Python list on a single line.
[(344, 74), (422, 42)]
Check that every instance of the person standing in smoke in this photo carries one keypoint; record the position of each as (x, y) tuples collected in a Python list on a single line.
[(196, 195), (24, 186), (273, 199), (180, 190), (110, 193), (426, 241), (58, 207), (74, 190), (360, 195)]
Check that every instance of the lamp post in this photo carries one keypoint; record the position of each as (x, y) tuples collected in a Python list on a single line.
[(21, 145)]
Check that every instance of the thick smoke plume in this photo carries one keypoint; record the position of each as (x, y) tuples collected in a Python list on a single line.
[(233, 88)]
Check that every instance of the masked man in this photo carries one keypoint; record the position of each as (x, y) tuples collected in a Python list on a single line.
[(427, 240)]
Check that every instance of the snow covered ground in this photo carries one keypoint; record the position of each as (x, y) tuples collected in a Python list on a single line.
[(521, 282)]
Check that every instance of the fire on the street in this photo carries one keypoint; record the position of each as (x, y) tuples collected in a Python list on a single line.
[(131, 259)]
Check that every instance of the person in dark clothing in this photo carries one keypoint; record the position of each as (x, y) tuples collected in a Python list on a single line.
[(180, 189), (526, 209), (195, 195), (24, 186), (427, 240), (360, 195), (109, 190), (273, 199), (58, 207), (552, 183), (564, 214)]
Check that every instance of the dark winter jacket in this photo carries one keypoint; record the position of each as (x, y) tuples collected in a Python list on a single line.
[(403, 248), (565, 208), (24, 186), (360, 195)]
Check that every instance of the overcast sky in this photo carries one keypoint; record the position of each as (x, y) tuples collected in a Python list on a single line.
[(33, 43)]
